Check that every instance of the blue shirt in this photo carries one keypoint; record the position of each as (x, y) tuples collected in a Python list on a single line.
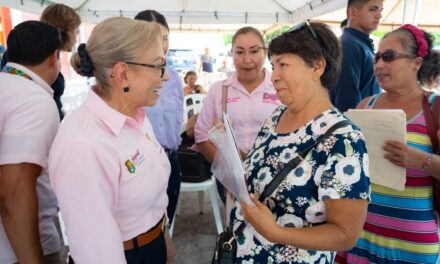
[(207, 61), (357, 79), (167, 115)]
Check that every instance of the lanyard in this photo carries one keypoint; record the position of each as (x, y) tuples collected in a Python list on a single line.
[(14, 71)]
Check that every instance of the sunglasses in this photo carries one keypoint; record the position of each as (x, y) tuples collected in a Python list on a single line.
[(306, 24), (162, 67), (390, 55)]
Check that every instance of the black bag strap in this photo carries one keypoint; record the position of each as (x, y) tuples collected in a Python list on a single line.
[(277, 179)]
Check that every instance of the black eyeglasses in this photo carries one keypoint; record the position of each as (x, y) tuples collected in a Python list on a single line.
[(162, 67), (306, 24), (390, 55)]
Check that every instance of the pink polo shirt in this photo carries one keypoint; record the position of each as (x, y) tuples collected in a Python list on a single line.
[(110, 175), (29, 121), (247, 110)]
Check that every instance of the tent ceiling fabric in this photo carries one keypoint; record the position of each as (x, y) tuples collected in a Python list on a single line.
[(186, 13)]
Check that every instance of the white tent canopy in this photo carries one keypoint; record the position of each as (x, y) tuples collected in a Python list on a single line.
[(196, 14)]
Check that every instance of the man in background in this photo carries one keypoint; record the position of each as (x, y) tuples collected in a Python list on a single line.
[(357, 79), (206, 61)]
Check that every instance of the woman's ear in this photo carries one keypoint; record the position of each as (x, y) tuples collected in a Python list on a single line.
[(266, 50), (119, 73), (319, 68), (418, 63)]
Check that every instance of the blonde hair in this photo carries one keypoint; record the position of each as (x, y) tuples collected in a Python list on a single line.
[(114, 40)]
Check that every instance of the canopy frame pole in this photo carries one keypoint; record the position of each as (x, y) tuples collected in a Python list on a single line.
[(405, 9), (416, 12)]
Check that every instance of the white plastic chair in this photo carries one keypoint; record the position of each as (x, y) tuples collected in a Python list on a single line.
[(200, 187), (63, 229), (191, 102), (193, 99)]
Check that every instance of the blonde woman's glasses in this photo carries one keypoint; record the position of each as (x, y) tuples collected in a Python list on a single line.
[(162, 67)]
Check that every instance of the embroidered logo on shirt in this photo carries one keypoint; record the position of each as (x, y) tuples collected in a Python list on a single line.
[(130, 166), (135, 161), (270, 98), (232, 100), (138, 158)]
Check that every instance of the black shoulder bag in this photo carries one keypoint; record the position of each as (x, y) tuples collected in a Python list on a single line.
[(226, 244)]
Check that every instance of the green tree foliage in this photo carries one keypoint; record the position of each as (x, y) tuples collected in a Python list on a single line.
[(268, 37), (380, 34)]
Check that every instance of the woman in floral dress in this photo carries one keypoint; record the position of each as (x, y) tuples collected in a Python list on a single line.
[(321, 205)]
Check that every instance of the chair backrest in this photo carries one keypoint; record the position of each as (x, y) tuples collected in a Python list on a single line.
[(192, 104), (193, 99)]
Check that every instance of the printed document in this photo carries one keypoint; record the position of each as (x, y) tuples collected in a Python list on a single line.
[(227, 166), (378, 126)]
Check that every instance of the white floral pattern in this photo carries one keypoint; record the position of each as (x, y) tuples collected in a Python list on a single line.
[(348, 170), (336, 168), (300, 175)]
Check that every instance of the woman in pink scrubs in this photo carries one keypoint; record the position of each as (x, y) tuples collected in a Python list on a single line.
[(251, 96)]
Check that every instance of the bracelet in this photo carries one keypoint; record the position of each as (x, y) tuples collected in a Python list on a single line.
[(425, 166)]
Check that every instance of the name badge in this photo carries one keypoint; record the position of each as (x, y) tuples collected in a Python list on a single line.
[(270, 98)]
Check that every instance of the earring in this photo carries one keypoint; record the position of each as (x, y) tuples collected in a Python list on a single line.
[(125, 89), (112, 76)]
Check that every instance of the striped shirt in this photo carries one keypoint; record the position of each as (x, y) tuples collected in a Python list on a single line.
[(401, 227)]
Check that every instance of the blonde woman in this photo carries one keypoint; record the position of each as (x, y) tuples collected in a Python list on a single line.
[(108, 170)]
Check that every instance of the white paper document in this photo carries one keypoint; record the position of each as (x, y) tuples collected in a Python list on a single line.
[(227, 166), (378, 126)]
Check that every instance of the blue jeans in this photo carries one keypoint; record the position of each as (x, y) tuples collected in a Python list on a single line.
[(154, 252), (173, 189)]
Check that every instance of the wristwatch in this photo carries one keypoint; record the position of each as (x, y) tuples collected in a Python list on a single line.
[(427, 163)]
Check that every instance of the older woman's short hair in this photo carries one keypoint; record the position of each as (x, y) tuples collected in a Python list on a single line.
[(303, 43), (62, 17), (114, 40)]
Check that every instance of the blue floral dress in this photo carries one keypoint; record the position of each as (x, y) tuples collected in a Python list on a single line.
[(336, 168)]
